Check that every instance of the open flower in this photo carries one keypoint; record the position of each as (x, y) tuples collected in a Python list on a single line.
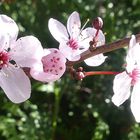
[(128, 79), (70, 44), (73, 41), (15, 54), (51, 67)]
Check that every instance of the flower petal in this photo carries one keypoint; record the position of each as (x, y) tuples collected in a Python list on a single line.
[(58, 30), (54, 62), (27, 51), (38, 73), (15, 84), (136, 53), (130, 58), (4, 42), (121, 88), (132, 42), (43, 76), (133, 57), (135, 101), (95, 60), (101, 38), (8, 27), (52, 67), (74, 24)]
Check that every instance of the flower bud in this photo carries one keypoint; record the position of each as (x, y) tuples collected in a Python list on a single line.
[(97, 23), (79, 75)]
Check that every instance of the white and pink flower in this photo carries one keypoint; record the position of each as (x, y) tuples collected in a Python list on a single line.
[(73, 40), (128, 79), (15, 54)]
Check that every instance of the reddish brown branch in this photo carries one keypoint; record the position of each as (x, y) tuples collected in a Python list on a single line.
[(103, 49)]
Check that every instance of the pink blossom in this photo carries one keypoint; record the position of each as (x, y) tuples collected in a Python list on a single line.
[(73, 41), (15, 54), (128, 79), (51, 68)]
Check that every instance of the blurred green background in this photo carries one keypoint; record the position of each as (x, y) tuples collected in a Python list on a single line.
[(70, 109)]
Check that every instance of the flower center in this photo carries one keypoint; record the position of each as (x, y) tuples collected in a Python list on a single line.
[(135, 75), (4, 59), (73, 44)]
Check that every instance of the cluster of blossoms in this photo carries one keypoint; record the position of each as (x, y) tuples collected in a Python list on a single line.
[(48, 65), (45, 65)]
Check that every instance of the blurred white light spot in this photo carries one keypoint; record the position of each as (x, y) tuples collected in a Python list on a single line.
[(89, 106), (110, 5), (107, 101), (70, 113)]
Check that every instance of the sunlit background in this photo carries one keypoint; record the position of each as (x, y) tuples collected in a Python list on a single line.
[(70, 109)]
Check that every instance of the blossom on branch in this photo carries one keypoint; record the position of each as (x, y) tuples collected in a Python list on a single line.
[(15, 54), (51, 67), (128, 79), (73, 41)]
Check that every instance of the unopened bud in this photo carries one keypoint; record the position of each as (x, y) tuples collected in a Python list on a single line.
[(79, 75), (97, 23)]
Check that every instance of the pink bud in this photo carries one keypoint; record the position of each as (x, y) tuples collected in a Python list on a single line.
[(79, 75), (97, 23)]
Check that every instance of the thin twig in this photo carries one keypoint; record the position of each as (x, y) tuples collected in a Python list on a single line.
[(103, 49)]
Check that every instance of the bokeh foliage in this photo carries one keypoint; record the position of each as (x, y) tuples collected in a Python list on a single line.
[(70, 109)]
